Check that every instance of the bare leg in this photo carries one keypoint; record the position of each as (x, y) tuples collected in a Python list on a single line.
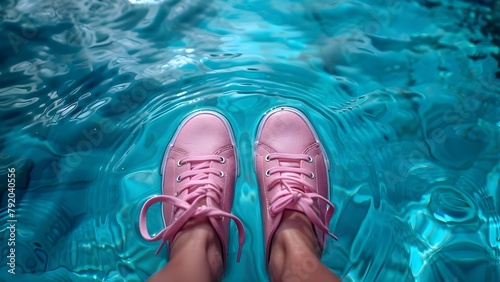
[(195, 255), (295, 252)]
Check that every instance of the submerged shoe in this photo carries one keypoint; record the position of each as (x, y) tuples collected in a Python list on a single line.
[(200, 164), (292, 170)]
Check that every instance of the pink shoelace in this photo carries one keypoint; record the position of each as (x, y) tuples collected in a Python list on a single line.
[(199, 187), (295, 190)]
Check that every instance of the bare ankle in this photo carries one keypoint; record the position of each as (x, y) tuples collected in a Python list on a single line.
[(198, 239), (197, 232), (296, 232), (295, 253), (294, 242)]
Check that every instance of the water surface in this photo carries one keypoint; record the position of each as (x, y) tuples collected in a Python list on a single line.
[(405, 96)]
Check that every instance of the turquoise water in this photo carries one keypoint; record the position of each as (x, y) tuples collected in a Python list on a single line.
[(404, 94)]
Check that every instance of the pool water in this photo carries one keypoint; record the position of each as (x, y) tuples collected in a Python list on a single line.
[(405, 96)]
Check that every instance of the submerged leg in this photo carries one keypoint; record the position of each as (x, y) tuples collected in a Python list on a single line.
[(195, 255), (295, 252)]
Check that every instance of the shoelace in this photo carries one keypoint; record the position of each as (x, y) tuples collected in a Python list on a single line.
[(296, 190), (199, 187)]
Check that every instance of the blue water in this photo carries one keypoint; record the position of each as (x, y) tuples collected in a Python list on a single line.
[(404, 94)]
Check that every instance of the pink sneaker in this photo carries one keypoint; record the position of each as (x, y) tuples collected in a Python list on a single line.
[(292, 170), (199, 164)]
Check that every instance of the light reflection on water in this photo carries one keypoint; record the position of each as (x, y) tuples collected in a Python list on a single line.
[(402, 93)]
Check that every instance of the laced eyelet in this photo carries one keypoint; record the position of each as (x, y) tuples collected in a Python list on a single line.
[(312, 175), (179, 164), (221, 173), (178, 179), (268, 173), (309, 159), (222, 160), (267, 158)]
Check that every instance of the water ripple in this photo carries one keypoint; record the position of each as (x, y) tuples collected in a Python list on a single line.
[(404, 95)]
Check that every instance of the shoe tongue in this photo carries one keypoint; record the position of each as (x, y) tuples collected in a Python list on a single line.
[(294, 164), (290, 163)]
